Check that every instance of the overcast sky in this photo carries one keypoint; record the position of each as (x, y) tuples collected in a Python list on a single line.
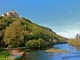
[(62, 16)]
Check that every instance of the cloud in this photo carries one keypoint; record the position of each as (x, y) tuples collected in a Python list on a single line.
[(69, 26), (69, 33), (66, 30)]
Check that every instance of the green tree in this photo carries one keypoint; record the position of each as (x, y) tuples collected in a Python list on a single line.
[(41, 43), (2, 25), (1, 36), (31, 44), (14, 35)]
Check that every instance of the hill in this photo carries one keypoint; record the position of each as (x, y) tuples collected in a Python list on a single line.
[(18, 32)]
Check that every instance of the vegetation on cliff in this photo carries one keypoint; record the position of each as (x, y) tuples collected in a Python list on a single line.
[(18, 32)]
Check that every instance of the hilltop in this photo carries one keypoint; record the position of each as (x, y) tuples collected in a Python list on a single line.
[(18, 32)]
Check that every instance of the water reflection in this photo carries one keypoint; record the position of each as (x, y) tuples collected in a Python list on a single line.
[(42, 55), (77, 48)]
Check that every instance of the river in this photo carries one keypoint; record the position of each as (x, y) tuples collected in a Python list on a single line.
[(42, 55)]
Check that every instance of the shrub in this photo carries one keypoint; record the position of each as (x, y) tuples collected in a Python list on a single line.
[(31, 44), (40, 43)]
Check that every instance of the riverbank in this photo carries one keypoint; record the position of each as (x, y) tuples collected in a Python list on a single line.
[(16, 53), (15, 56), (63, 52), (3, 54)]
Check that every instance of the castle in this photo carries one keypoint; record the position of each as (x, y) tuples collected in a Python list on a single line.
[(11, 14)]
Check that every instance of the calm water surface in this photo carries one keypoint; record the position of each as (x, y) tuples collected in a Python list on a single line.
[(42, 55)]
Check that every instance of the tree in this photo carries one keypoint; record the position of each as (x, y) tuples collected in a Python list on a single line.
[(14, 36), (1, 36), (41, 43), (31, 44), (2, 25)]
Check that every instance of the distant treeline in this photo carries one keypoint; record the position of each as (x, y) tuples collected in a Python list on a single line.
[(75, 41)]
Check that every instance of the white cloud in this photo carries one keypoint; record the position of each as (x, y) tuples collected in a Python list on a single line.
[(68, 31)]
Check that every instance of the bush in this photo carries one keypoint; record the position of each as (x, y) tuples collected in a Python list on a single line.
[(31, 44), (40, 43)]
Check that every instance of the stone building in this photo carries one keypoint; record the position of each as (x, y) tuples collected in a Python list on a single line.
[(3, 14), (11, 14)]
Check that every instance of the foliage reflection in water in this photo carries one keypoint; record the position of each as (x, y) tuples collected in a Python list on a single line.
[(42, 55)]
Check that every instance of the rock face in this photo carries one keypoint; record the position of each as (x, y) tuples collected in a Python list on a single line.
[(11, 14)]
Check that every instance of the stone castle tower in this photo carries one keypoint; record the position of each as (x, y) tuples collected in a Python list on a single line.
[(11, 14)]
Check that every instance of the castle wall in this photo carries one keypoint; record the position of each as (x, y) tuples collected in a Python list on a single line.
[(11, 14), (4, 15)]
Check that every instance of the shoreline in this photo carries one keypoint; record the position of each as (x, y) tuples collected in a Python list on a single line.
[(15, 54)]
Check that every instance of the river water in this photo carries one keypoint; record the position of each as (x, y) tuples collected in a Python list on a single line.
[(42, 55)]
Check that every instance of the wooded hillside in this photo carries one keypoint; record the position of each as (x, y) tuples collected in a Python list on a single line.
[(18, 32)]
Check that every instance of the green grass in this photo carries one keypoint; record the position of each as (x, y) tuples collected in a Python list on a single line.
[(4, 54), (57, 51)]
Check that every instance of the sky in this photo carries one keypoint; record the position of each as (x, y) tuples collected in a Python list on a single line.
[(62, 16)]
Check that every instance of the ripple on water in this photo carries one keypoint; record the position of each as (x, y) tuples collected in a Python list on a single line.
[(41, 55)]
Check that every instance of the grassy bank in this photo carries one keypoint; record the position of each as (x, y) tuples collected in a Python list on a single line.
[(74, 42), (57, 51), (3, 54)]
